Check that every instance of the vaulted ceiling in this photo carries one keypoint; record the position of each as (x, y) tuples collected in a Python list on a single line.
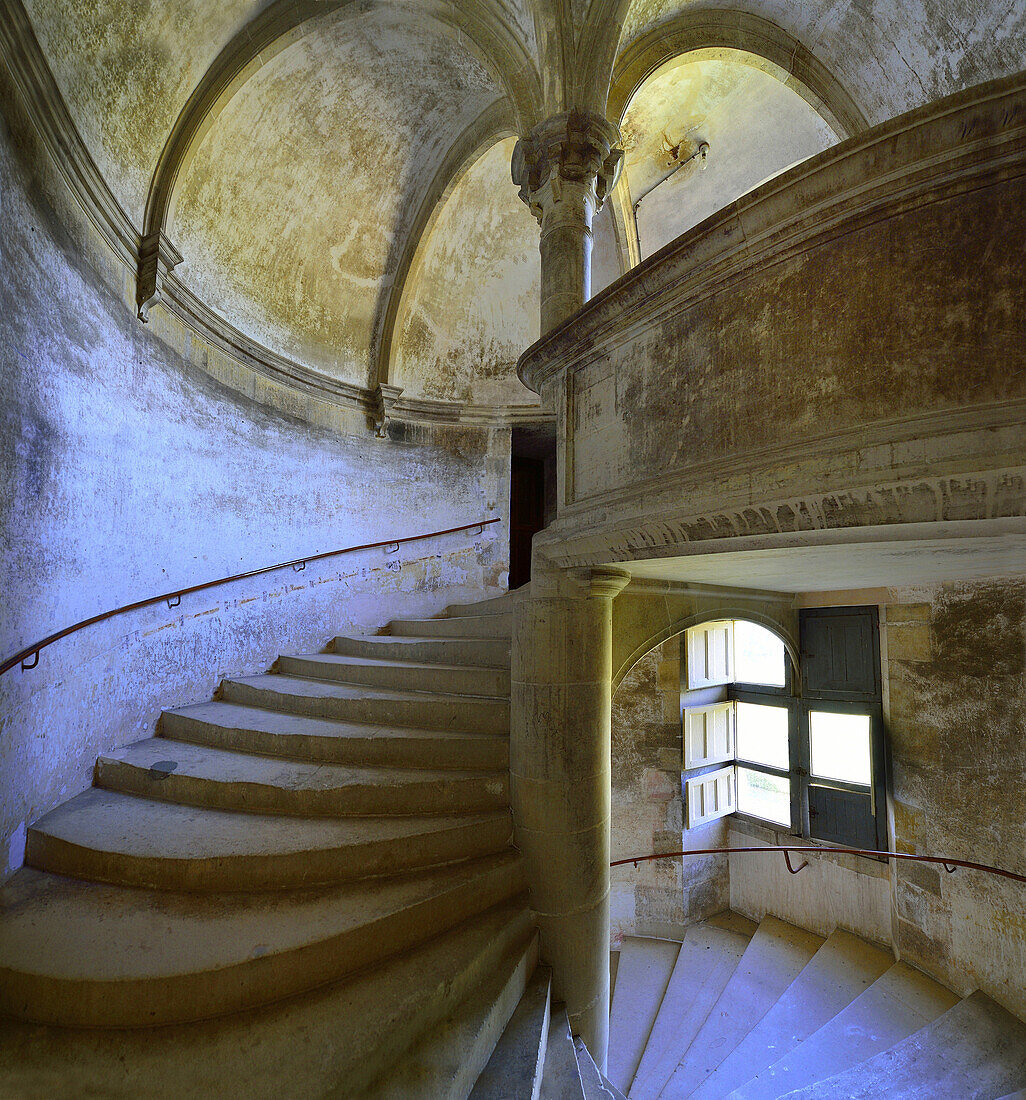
[(335, 173)]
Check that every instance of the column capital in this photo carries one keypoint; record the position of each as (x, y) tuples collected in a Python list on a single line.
[(576, 147)]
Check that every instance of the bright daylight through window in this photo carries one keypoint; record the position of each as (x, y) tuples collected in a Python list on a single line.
[(802, 755)]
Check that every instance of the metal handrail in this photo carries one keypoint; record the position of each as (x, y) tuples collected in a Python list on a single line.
[(949, 865), (299, 564)]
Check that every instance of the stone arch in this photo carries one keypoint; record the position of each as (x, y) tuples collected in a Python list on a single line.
[(280, 25), (645, 643)]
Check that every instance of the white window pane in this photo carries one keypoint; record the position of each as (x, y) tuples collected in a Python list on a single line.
[(759, 655), (840, 746), (762, 734), (765, 796)]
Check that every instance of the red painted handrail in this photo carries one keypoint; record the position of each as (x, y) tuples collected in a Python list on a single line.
[(298, 564), (949, 865)]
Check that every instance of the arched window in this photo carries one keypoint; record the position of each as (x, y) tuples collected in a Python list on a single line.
[(805, 754)]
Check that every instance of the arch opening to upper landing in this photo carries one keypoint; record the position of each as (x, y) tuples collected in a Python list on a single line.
[(702, 130)]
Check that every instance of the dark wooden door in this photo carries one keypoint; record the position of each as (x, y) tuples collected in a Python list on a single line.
[(526, 515)]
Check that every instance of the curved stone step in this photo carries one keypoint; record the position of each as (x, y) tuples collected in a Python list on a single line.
[(298, 1040), (776, 955), (841, 970), (178, 771), (497, 605), (398, 675), (117, 838), (895, 1006), (325, 699), (516, 1064), (462, 626), (561, 1075), (475, 652), (82, 954), (242, 728), (445, 1062), (708, 957), (643, 973), (975, 1051)]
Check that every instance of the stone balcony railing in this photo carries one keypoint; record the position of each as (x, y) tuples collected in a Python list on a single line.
[(843, 347)]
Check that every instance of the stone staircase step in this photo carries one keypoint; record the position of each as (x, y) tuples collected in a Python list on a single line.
[(462, 626), (644, 971), (83, 954), (241, 728), (614, 963), (327, 699), (445, 1063), (841, 970), (298, 1040), (772, 960), (473, 652), (708, 957), (896, 1005), (178, 771), (116, 838), (561, 1076), (497, 605), (975, 1051), (514, 1070), (596, 1087), (398, 675)]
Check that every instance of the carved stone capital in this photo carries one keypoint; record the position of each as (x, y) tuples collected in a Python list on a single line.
[(607, 582), (575, 147), (157, 257)]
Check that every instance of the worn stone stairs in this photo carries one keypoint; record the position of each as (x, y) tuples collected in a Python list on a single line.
[(308, 880), (739, 1011)]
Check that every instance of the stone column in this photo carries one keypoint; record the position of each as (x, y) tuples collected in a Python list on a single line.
[(560, 769), (565, 168)]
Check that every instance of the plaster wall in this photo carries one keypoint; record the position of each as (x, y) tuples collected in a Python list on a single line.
[(662, 897), (125, 471)]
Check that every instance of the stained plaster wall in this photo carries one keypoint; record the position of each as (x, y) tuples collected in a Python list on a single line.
[(126, 471), (662, 897)]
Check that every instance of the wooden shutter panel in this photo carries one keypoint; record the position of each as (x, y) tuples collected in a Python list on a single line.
[(840, 652), (842, 817), (708, 735), (711, 654), (709, 796)]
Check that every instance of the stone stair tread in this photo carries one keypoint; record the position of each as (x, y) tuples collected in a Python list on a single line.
[(445, 1062), (496, 605), (561, 1076), (643, 972), (974, 1051), (339, 689), (708, 957), (343, 659), (230, 766), (841, 970), (774, 957), (458, 626), (897, 1004), (375, 671), (396, 643), (282, 724), (515, 1066), (122, 838), (88, 954), (297, 1040)]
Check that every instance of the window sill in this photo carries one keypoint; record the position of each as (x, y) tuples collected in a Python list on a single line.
[(748, 829)]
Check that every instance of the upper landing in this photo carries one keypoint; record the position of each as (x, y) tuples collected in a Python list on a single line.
[(837, 357)]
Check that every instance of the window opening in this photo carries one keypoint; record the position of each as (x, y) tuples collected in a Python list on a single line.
[(811, 762)]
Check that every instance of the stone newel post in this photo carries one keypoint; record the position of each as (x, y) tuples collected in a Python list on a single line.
[(564, 169), (560, 768)]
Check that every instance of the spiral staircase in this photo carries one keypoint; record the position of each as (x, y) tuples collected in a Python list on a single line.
[(307, 887)]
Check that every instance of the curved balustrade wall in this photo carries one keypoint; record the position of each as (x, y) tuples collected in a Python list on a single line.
[(843, 347), (126, 472)]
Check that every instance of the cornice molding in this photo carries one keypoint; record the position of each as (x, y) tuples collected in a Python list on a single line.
[(47, 112), (950, 146)]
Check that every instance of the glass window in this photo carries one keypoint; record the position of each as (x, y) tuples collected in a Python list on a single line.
[(840, 746), (759, 655), (764, 796), (762, 734)]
